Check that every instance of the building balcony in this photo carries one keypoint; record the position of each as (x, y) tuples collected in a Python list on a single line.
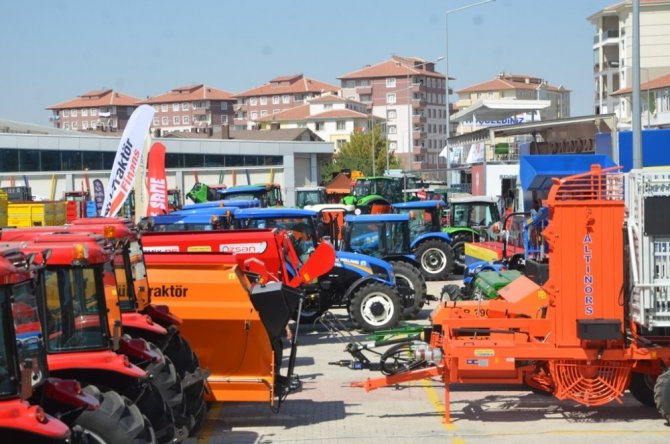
[(200, 111), (607, 37), (416, 118), (238, 107)]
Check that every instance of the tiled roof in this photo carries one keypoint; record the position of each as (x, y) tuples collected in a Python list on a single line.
[(657, 83), (288, 134), (395, 67), (338, 114), (296, 113), (328, 98), (96, 98), (289, 85), (189, 94), (506, 82)]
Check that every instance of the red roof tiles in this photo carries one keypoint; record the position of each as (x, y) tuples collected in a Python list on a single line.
[(657, 83), (189, 94), (97, 98), (289, 85), (395, 67)]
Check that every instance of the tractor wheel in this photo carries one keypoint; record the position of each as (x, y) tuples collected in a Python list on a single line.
[(375, 306), (311, 310), (152, 404), (458, 247), (642, 388), (436, 259), (117, 421), (662, 394), (165, 378), (411, 285), (186, 362)]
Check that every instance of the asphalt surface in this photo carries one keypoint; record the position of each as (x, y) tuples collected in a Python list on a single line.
[(326, 409)]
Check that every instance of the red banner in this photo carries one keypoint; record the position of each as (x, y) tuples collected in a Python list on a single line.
[(156, 181)]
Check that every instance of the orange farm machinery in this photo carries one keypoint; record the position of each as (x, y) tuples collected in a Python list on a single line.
[(598, 326)]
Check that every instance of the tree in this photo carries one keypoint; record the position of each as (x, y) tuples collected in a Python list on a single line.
[(357, 155)]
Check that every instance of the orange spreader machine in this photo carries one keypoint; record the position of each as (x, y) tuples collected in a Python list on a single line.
[(583, 335)]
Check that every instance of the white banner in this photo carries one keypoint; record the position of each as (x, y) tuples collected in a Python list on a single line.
[(127, 160), (476, 153)]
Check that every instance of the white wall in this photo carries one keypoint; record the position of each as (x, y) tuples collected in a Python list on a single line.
[(493, 174)]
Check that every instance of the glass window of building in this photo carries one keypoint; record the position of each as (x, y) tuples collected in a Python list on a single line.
[(175, 107)]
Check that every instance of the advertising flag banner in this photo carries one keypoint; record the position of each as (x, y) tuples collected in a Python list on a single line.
[(127, 160), (156, 181), (98, 195)]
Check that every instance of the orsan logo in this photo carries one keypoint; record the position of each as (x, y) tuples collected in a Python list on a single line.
[(250, 247), (162, 249)]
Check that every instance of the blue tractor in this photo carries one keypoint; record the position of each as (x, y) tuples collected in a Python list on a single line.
[(387, 237), (429, 240), (363, 284)]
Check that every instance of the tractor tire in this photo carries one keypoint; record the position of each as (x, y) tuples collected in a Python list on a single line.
[(165, 378), (152, 404), (662, 394), (375, 306), (436, 259), (186, 362), (117, 421), (411, 285), (642, 388), (458, 242)]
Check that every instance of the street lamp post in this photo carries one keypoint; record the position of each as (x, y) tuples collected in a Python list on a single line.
[(446, 75)]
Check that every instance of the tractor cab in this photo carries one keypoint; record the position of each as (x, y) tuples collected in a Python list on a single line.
[(378, 235), (425, 215), (305, 196), (269, 195)]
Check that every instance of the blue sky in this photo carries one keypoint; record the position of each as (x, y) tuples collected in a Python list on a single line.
[(55, 50)]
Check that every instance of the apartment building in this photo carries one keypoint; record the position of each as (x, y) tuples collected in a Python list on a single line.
[(613, 53), (655, 101), (191, 109), (330, 117), (410, 95), (509, 99), (279, 94), (101, 110)]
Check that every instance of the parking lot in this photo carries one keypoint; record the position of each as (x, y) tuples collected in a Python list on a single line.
[(328, 409)]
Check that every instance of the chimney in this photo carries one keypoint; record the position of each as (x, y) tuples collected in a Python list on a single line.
[(225, 132)]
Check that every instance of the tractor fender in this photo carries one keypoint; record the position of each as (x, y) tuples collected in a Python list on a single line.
[(444, 237), (451, 231), (358, 283), (142, 322), (407, 258)]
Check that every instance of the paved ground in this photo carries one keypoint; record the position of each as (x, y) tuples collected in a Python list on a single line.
[(328, 410)]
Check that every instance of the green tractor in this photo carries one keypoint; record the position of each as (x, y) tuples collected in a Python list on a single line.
[(466, 219), (373, 195)]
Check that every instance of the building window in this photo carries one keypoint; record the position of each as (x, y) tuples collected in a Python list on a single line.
[(129, 111), (391, 114), (393, 146), (175, 120), (390, 82), (224, 106), (366, 98), (84, 124), (156, 108), (392, 129), (84, 112), (390, 98), (224, 120), (66, 113), (254, 115), (253, 101), (164, 107), (175, 107), (74, 125), (66, 126), (340, 143), (94, 111), (73, 113), (184, 106), (275, 100), (318, 126), (341, 124), (185, 120), (264, 100), (286, 98), (157, 121), (164, 121), (264, 113)]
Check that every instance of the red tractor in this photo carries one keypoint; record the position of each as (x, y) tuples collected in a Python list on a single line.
[(90, 414), (83, 327)]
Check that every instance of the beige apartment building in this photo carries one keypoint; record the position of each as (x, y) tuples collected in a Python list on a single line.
[(613, 53), (191, 108), (330, 117), (410, 95), (98, 110), (279, 94)]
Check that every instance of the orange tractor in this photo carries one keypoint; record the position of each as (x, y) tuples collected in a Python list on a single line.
[(596, 327), (238, 294)]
